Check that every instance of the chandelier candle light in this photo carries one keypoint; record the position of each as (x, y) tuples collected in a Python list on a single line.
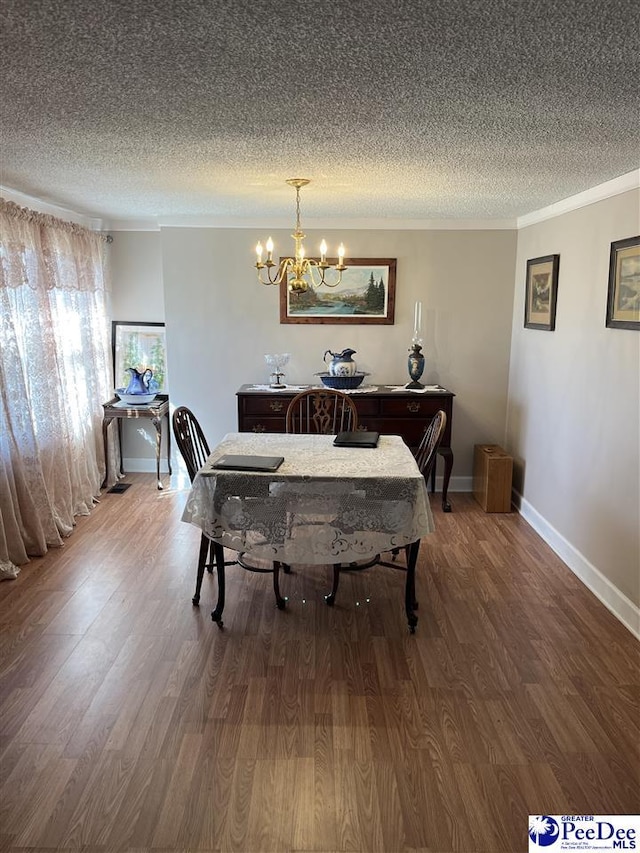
[(415, 361), (300, 272)]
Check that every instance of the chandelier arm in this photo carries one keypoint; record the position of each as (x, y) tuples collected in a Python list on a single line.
[(318, 279), (279, 276), (332, 284), (314, 273)]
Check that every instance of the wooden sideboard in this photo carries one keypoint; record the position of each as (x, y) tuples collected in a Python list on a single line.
[(388, 410)]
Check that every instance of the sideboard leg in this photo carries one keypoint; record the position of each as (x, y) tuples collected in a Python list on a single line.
[(105, 423), (157, 422), (447, 454), (169, 444), (120, 445)]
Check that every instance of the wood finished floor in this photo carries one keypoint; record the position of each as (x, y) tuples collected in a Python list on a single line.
[(129, 722)]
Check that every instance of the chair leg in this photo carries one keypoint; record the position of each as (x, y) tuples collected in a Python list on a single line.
[(330, 599), (408, 551), (202, 561), (410, 589), (216, 615), (280, 601)]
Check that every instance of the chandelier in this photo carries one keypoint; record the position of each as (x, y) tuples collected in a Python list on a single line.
[(300, 272)]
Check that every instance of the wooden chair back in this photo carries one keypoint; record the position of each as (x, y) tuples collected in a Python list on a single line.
[(322, 411), (426, 453), (190, 440)]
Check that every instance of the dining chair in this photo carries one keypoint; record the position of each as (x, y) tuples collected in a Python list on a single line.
[(425, 457), (322, 411), (194, 448), (428, 450)]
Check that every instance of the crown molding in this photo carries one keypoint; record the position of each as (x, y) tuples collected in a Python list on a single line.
[(131, 225), (616, 186), (311, 224)]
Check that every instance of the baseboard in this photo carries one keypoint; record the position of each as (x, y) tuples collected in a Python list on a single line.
[(617, 602), (144, 466), (456, 484)]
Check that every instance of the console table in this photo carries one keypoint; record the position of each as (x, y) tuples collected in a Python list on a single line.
[(115, 409), (388, 409)]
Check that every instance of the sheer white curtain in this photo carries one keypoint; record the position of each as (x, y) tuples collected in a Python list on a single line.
[(55, 373)]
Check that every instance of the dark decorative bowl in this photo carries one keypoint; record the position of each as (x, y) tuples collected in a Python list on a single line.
[(342, 383)]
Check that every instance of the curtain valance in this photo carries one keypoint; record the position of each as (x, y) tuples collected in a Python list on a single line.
[(41, 251)]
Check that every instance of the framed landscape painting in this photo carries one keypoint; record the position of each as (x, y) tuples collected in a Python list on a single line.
[(623, 298), (365, 296), (139, 345), (541, 293)]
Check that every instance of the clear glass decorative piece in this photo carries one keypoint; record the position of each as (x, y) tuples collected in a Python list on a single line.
[(276, 361)]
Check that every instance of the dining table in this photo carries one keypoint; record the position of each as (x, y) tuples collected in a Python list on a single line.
[(323, 505)]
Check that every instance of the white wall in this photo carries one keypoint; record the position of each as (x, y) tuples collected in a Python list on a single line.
[(574, 406), (136, 272), (221, 322)]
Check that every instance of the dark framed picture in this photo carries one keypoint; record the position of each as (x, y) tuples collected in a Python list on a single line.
[(541, 293), (623, 297), (143, 347), (365, 296)]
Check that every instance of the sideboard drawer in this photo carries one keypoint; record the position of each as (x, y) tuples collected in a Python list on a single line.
[(416, 406), (366, 405), (274, 405), (257, 424)]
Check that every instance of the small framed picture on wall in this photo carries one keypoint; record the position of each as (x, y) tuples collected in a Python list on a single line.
[(541, 293), (623, 297)]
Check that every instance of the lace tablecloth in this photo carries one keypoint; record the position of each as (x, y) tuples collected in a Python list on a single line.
[(324, 504)]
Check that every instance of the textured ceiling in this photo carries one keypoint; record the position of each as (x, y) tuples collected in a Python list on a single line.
[(396, 109)]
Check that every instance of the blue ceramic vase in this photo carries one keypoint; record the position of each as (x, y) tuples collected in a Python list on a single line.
[(415, 365)]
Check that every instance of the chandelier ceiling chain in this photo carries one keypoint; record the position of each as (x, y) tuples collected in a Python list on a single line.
[(301, 272)]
